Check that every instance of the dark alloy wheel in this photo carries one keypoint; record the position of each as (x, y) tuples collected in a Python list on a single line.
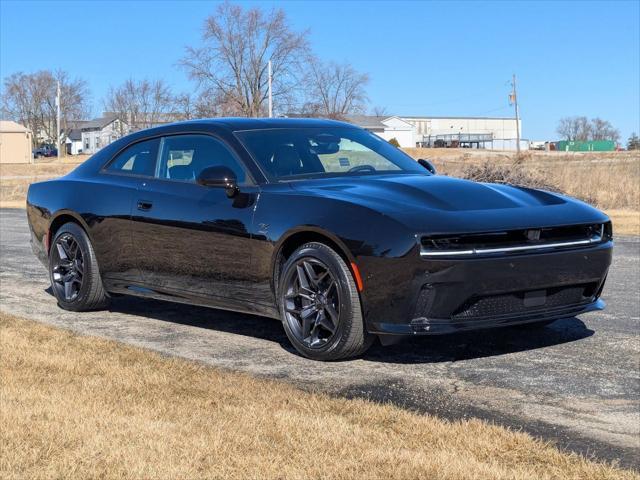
[(312, 303), (320, 305), (73, 269), (67, 267)]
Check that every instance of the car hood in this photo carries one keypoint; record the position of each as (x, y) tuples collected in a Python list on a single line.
[(440, 204)]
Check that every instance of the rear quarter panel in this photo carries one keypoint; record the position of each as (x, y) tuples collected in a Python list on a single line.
[(100, 205)]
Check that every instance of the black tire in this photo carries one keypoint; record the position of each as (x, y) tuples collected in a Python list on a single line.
[(72, 258), (349, 337)]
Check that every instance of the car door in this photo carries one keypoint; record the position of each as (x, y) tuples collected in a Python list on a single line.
[(111, 208), (193, 240)]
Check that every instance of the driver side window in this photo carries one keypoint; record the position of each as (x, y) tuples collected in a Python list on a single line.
[(352, 154), (185, 156)]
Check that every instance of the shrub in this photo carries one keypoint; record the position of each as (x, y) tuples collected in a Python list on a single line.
[(394, 142), (513, 174)]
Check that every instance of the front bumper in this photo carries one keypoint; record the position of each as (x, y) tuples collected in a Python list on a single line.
[(426, 326), (441, 296)]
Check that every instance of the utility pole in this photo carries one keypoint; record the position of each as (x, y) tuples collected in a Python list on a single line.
[(513, 98), (270, 98), (58, 120)]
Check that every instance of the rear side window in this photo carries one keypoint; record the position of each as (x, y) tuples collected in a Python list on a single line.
[(138, 159), (185, 156)]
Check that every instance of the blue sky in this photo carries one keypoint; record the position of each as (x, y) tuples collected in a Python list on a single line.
[(424, 58)]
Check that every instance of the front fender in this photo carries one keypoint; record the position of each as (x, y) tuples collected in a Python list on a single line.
[(368, 238)]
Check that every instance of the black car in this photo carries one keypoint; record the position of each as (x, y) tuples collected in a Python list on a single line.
[(319, 223)]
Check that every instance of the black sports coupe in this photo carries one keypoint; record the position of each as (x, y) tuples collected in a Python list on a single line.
[(319, 223)]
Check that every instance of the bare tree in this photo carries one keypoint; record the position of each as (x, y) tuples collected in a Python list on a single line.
[(380, 111), (30, 99), (141, 104), (231, 66), (205, 104), (335, 90), (583, 129), (184, 106), (603, 130), (574, 128)]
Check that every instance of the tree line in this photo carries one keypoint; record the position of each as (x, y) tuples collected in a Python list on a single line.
[(230, 71), (584, 129)]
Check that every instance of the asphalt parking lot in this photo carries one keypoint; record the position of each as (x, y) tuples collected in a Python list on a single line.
[(575, 382)]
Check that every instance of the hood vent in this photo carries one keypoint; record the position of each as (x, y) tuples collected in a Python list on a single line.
[(515, 241)]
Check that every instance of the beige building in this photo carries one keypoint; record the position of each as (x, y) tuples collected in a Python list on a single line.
[(15, 143)]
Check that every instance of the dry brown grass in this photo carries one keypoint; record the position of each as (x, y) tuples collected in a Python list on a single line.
[(81, 407), (625, 222), (16, 178)]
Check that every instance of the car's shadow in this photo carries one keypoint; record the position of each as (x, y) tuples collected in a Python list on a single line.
[(481, 343), (422, 349)]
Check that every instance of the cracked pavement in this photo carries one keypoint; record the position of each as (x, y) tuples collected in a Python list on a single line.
[(575, 382)]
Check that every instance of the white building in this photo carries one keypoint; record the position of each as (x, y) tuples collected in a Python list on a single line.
[(473, 132), (387, 128), (100, 132), (73, 142), (496, 133)]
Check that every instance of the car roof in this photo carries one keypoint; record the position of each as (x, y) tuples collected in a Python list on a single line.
[(238, 124)]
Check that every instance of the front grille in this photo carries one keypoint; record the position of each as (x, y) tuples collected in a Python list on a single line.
[(515, 241), (515, 304)]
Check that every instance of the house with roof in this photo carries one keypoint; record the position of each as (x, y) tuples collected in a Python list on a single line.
[(73, 141), (101, 131), (387, 127)]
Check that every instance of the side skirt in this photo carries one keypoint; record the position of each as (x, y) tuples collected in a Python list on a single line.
[(222, 303)]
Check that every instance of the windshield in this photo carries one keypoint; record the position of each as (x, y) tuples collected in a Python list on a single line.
[(290, 153)]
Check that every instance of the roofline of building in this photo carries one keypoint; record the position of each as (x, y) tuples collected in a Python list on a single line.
[(425, 117)]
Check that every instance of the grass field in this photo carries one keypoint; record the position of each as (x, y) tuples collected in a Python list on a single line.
[(81, 407), (610, 181)]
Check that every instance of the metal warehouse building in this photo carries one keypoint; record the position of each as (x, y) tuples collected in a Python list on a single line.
[(496, 133), (475, 132)]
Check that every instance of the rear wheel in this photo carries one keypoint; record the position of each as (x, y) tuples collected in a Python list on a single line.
[(73, 270), (320, 305)]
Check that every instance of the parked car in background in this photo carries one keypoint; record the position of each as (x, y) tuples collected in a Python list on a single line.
[(322, 224), (45, 151)]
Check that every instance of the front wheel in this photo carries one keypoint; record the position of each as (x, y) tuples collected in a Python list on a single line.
[(320, 305), (73, 269)]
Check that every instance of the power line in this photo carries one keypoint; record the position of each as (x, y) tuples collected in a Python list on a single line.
[(513, 98)]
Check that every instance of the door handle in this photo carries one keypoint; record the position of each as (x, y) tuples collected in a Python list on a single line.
[(144, 205)]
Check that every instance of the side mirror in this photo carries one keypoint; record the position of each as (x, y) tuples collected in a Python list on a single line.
[(428, 165), (219, 177)]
